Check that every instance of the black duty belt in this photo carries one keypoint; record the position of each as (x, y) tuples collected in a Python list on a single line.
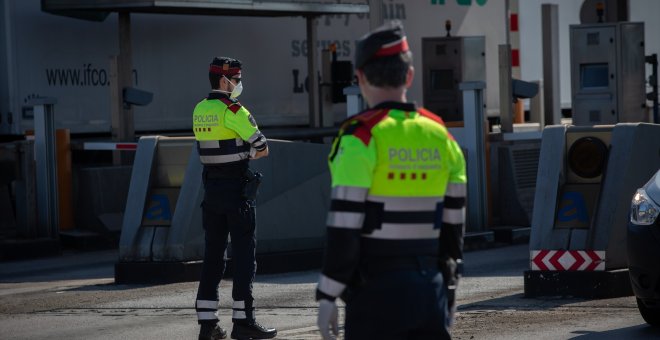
[(228, 171), (386, 264)]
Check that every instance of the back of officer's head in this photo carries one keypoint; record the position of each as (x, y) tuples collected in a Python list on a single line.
[(223, 66), (383, 55)]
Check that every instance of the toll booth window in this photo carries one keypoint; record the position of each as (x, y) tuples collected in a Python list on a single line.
[(442, 80), (594, 75)]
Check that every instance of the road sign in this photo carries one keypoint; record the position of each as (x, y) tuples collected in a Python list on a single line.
[(567, 260)]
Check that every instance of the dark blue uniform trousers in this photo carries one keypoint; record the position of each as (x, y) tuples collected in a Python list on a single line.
[(225, 212), (404, 304)]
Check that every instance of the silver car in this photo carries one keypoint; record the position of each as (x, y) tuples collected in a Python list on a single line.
[(644, 249)]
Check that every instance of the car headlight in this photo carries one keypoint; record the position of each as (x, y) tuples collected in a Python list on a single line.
[(643, 210)]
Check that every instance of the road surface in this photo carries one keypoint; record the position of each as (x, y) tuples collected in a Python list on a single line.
[(74, 297)]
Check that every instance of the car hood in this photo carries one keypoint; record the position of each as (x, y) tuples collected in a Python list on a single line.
[(652, 188)]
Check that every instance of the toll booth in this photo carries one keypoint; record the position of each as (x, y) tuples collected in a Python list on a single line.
[(588, 173), (607, 73), (447, 62), (586, 179), (162, 239)]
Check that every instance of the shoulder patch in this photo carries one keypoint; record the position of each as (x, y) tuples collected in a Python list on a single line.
[(432, 116), (360, 125), (232, 105), (372, 117), (252, 121)]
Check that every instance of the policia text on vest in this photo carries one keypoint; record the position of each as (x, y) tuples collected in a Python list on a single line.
[(396, 221)]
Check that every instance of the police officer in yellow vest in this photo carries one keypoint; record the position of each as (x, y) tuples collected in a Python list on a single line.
[(395, 225), (227, 138)]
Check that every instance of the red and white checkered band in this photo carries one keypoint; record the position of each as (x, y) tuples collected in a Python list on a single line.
[(567, 260), (393, 48), (224, 70)]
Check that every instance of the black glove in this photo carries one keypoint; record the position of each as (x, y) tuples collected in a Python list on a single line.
[(452, 271)]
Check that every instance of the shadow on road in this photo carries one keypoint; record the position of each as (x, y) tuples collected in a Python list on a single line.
[(519, 302), (642, 331), (110, 287)]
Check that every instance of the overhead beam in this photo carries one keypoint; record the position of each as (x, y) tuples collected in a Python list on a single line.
[(204, 7)]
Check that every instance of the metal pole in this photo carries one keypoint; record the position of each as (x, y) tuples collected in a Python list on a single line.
[(536, 106), (506, 98), (125, 128), (475, 142), (8, 98), (115, 107), (26, 217), (550, 41), (327, 118), (507, 21), (312, 71), (354, 101), (653, 81), (46, 169), (656, 115)]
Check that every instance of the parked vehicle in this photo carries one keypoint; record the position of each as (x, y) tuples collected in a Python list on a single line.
[(644, 249)]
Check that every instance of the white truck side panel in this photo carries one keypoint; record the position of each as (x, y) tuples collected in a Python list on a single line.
[(51, 55), (65, 58), (68, 59)]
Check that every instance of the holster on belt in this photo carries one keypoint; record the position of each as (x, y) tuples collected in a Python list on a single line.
[(252, 181)]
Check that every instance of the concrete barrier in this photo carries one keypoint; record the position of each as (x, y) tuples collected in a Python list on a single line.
[(162, 237), (586, 178)]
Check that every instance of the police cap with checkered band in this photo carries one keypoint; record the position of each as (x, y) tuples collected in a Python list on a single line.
[(384, 41)]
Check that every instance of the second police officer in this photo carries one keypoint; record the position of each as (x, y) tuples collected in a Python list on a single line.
[(395, 225), (227, 138)]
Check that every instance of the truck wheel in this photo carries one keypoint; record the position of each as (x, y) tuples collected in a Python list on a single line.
[(650, 315)]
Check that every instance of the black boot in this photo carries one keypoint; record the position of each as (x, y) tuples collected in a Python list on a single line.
[(212, 332), (251, 329)]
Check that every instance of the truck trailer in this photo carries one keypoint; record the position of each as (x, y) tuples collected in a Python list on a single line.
[(47, 55)]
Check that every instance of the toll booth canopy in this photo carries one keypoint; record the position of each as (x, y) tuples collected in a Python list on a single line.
[(88, 9)]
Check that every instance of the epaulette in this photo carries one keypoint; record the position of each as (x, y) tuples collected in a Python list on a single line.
[(232, 104), (361, 124), (432, 116)]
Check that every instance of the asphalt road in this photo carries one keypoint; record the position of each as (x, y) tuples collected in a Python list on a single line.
[(74, 297)]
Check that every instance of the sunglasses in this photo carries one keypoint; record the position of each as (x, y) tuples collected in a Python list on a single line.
[(238, 80)]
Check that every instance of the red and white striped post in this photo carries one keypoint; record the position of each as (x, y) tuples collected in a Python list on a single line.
[(110, 146), (514, 42)]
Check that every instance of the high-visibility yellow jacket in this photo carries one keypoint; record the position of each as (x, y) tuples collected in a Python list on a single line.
[(225, 130), (398, 190)]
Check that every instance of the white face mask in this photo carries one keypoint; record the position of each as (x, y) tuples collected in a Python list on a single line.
[(237, 88)]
